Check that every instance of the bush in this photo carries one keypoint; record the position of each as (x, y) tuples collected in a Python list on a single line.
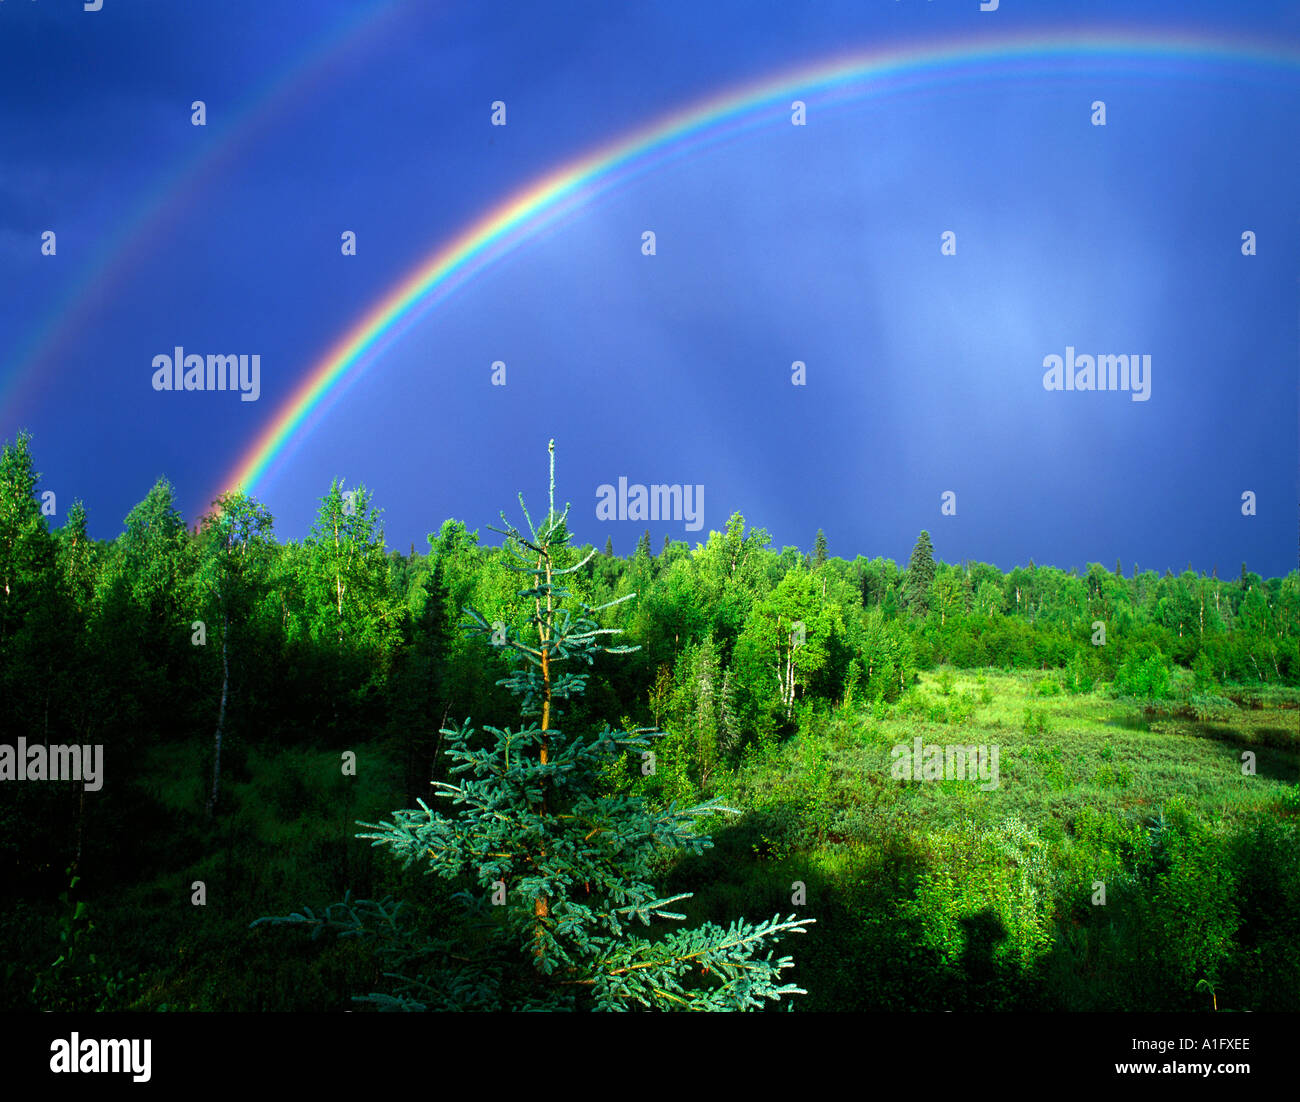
[(1205, 683), (78, 980), (962, 708), (1144, 678), (1035, 722)]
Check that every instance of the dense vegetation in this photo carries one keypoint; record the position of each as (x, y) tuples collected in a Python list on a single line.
[(225, 674)]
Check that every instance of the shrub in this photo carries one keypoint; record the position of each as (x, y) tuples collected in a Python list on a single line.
[(1144, 678), (1035, 722)]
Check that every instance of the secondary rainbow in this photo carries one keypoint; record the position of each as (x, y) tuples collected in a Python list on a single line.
[(137, 232), (766, 102)]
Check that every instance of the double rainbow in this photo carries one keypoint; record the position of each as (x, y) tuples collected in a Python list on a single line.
[(766, 102)]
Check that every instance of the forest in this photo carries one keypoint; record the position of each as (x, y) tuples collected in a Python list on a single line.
[(260, 704)]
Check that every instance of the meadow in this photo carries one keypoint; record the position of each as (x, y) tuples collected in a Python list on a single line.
[(940, 895)]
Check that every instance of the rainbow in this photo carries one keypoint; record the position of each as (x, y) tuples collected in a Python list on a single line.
[(178, 188), (562, 191)]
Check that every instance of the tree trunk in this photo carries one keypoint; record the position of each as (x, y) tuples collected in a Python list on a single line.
[(542, 904)]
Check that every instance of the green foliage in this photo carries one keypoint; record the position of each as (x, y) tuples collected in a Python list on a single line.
[(1035, 722), (569, 866), (1144, 678), (698, 706), (1203, 669), (1080, 672), (76, 980), (920, 576), (339, 642)]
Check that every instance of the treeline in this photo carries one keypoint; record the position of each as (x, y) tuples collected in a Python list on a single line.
[(220, 633)]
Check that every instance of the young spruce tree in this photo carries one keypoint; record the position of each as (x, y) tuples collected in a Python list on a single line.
[(562, 869)]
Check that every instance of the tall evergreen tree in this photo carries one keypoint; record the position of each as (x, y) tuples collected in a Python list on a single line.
[(568, 867), (920, 576), (819, 549)]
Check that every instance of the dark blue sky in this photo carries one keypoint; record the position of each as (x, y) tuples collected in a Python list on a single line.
[(821, 245)]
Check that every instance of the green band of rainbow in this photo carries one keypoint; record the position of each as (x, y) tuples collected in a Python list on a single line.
[(767, 102)]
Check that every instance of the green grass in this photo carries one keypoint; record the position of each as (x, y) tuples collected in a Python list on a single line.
[(939, 894)]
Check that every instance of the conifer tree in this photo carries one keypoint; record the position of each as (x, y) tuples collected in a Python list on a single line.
[(568, 865), (819, 549), (920, 576)]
